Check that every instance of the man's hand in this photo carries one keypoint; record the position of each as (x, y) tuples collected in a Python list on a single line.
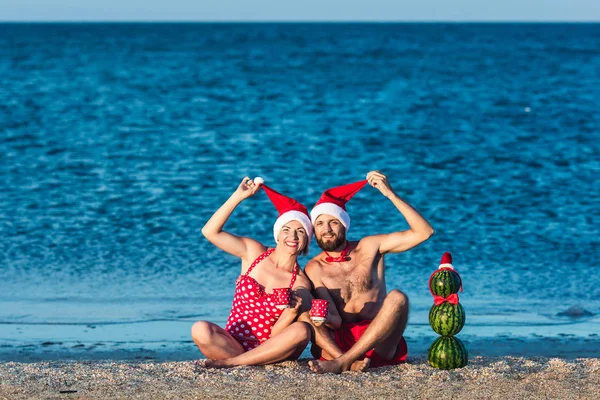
[(379, 181), (396, 242)]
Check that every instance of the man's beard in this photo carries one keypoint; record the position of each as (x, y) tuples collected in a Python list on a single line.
[(332, 245)]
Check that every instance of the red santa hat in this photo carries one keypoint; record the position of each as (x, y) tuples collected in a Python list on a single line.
[(289, 210), (446, 261), (333, 202)]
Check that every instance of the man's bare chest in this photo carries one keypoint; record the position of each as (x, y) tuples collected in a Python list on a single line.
[(347, 282)]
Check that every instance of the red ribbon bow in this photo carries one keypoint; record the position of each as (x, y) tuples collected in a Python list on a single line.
[(337, 259), (452, 299), (343, 257)]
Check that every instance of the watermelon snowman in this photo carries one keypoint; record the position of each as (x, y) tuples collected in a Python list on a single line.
[(446, 317)]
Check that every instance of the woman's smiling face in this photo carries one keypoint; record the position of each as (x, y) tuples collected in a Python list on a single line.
[(292, 237)]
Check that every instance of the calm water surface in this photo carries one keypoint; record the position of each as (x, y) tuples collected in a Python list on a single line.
[(118, 141)]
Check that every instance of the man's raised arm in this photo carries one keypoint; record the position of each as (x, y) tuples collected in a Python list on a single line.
[(420, 230)]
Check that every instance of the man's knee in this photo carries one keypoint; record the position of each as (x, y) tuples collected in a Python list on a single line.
[(202, 332), (397, 299), (304, 317)]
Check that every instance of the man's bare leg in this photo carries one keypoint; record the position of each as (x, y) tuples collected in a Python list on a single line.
[(384, 333), (327, 347), (322, 338), (387, 348), (290, 342), (215, 342)]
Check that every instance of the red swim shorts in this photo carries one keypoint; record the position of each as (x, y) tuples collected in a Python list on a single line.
[(348, 334)]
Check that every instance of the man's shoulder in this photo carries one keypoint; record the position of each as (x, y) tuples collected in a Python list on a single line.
[(313, 264), (367, 243), (317, 258)]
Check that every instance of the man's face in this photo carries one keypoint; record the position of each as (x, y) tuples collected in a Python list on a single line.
[(329, 232)]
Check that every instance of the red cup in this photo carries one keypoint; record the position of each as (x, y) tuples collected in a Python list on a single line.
[(318, 310), (282, 297)]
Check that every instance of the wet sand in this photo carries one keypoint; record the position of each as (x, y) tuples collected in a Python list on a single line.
[(484, 378)]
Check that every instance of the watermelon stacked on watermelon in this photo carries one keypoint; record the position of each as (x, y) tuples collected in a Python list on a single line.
[(446, 317), (448, 352)]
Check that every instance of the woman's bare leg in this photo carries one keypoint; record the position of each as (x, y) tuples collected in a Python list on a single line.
[(290, 342), (215, 342)]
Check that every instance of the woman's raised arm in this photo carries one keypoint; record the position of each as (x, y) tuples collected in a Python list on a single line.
[(213, 229)]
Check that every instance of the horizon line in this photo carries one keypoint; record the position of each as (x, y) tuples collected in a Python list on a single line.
[(301, 21)]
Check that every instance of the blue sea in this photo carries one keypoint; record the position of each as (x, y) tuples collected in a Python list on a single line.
[(119, 141)]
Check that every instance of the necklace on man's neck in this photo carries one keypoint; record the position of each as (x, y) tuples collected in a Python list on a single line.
[(342, 257)]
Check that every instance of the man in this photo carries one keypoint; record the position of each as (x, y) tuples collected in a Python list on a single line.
[(365, 322)]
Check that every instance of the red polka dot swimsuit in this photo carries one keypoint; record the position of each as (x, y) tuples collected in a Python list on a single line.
[(253, 311)]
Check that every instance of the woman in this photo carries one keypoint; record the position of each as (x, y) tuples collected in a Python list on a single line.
[(257, 332)]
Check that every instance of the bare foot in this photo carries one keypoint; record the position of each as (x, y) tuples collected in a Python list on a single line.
[(360, 365), (324, 367), (313, 366), (217, 364)]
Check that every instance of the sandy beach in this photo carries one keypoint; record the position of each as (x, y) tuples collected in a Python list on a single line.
[(483, 378)]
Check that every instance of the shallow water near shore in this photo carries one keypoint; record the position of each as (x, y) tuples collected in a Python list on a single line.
[(119, 141)]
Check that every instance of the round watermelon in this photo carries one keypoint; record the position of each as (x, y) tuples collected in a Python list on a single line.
[(448, 353), (447, 319), (444, 282)]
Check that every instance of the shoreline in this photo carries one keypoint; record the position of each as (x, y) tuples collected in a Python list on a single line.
[(482, 378), (565, 347)]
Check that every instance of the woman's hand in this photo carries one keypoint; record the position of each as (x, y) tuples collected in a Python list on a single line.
[(295, 303), (290, 314), (239, 246), (246, 189)]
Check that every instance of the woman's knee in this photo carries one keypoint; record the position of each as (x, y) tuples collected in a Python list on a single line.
[(202, 331), (302, 332)]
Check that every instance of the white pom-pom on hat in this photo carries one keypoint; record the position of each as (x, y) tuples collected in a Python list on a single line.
[(258, 180)]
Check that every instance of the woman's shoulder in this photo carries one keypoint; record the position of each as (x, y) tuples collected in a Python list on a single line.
[(302, 280), (254, 250)]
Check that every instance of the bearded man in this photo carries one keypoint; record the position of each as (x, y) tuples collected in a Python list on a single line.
[(365, 324)]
